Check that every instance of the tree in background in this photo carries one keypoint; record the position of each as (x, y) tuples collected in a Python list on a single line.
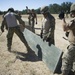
[(53, 8), (66, 6)]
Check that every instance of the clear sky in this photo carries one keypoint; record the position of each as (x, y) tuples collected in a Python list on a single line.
[(21, 4)]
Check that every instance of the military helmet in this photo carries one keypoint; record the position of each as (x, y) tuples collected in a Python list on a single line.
[(44, 9), (11, 10), (72, 8)]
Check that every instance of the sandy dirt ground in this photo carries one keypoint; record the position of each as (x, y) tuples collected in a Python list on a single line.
[(10, 64)]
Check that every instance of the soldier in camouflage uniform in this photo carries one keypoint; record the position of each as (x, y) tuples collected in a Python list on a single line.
[(48, 26), (29, 17), (69, 55), (10, 22), (32, 18)]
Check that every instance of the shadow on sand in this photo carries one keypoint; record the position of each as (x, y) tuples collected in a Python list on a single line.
[(26, 56)]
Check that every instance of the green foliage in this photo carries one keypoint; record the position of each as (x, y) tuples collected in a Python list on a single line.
[(66, 6), (24, 12), (56, 8), (37, 11)]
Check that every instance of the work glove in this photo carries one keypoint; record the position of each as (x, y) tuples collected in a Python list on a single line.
[(26, 7), (36, 22), (67, 34), (2, 29)]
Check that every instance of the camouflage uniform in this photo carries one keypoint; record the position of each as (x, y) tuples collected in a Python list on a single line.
[(48, 27), (29, 17), (69, 55), (32, 16), (10, 21)]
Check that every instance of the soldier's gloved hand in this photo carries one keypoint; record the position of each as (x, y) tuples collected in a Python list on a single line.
[(2, 29), (36, 22), (26, 7)]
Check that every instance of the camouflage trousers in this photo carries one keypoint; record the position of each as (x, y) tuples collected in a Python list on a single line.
[(68, 59), (10, 33), (32, 25)]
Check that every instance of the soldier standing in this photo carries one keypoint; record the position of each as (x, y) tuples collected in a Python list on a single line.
[(48, 26), (69, 55), (10, 21), (29, 17), (32, 17)]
